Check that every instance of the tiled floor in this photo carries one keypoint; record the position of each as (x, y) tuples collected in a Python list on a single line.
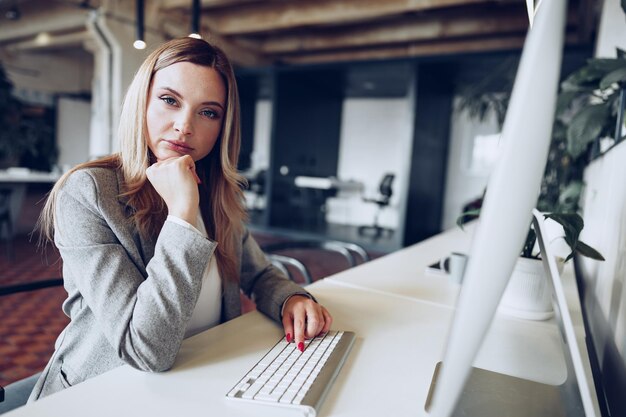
[(31, 321)]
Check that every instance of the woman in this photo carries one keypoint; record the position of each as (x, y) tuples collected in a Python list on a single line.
[(152, 239)]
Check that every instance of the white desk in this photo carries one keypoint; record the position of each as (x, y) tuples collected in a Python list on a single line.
[(403, 273), (328, 183), (20, 176), (16, 180), (210, 363)]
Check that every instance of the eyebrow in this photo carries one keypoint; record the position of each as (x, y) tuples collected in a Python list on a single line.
[(205, 103)]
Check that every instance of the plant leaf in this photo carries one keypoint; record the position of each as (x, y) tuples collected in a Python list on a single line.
[(587, 77), (585, 127), (570, 195), (461, 220), (572, 226), (617, 76), (621, 54), (588, 251), (565, 99)]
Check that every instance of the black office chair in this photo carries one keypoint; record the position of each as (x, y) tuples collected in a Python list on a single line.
[(382, 201)]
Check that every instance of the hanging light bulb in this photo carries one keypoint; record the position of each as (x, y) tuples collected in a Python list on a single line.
[(139, 41), (195, 19)]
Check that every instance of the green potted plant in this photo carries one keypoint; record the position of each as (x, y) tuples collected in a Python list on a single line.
[(528, 293)]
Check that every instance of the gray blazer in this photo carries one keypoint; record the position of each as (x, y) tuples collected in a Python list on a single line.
[(130, 297)]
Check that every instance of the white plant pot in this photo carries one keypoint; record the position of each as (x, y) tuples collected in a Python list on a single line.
[(528, 294)]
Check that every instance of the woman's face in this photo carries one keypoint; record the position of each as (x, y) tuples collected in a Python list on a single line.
[(186, 106)]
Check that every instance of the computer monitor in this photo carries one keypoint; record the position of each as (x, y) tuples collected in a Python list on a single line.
[(511, 195)]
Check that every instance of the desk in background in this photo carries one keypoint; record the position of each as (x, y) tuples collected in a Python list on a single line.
[(399, 338), (15, 181), (313, 193)]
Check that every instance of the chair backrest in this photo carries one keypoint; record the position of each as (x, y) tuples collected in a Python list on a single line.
[(350, 252), (385, 185), (282, 262), (17, 393)]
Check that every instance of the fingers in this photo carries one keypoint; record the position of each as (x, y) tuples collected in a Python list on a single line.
[(185, 161), (328, 320), (304, 319), (298, 329), (176, 181), (288, 326), (195, 175)]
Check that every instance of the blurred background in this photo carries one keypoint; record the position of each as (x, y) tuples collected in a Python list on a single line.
[(368, 123)]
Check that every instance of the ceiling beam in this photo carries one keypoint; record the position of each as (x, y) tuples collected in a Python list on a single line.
[(404, 30), (51, 42), (206, 4), (501, 43), (275, 16), (54, 18), (399, 31), (238, 53)]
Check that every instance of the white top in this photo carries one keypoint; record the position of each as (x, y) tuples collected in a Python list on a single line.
[(208, 308)]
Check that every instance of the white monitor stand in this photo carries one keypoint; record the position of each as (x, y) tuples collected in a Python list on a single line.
[(488, 393)]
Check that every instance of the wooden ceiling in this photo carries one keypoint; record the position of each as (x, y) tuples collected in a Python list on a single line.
[(319, 31), (265, 32)]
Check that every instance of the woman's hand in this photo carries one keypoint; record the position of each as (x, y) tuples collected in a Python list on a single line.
[(304, 318), (176, 181)]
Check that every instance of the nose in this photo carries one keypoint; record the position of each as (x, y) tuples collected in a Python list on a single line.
[(183, 123)]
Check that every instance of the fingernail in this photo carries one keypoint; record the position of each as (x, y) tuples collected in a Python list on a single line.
[(288, 337), (301, 346)]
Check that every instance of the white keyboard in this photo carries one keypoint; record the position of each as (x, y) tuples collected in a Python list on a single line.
[(287, 377)]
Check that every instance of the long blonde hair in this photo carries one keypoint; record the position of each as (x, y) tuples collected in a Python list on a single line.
[(221, 196)]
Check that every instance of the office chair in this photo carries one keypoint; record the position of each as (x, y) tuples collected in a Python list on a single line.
[(16, 394), (351, 253), (283, 263), (381, 201)]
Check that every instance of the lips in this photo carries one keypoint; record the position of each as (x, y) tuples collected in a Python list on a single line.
[(178, 146)]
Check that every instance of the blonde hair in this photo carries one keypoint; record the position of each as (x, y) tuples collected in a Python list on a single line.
[(221, 196)]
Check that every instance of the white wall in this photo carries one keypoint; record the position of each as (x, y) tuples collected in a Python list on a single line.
[(612, 30), (260, 158), (37, 74), (465, 180), (73, 116), (376, 138)]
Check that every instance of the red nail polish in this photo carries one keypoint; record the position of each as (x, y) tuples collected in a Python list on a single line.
[(288, 337), (301, 346)]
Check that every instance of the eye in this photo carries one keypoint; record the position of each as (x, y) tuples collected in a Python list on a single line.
[(211, 114), (168, 100)]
